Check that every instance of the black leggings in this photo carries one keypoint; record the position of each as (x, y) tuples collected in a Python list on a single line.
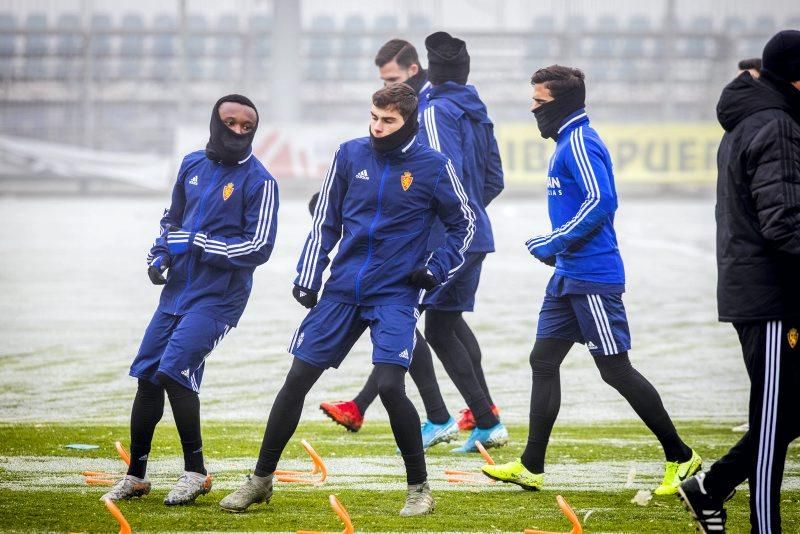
[(424, 377), (288, 406), (441, 330), (617, 371), (148, 408)]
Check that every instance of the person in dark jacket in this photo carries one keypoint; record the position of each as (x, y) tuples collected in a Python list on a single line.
[(377, 203), (758, 264), (220, 226)]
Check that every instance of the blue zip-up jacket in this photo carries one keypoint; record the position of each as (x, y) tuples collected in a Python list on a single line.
[(379, 209), (228, 219), (582, 200), (455, 123)]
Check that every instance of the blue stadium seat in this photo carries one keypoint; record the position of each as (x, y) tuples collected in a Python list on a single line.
[(765, 25), (734, 25), (69, 46), (700, 45), (37, 45), (352, 63), (261, 32), (635, 46), (540, 44), (418, 23), (131, 48), (196, 37), (101, 47), (320, 47), (8, 45), (164, 49), (227, 48), (386, 27), (605, 45)]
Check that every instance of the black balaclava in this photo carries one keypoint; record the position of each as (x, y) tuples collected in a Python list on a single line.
[(398, 138), (550, 116), (448, 60), (225, 145), (418, 80), (781, 66)]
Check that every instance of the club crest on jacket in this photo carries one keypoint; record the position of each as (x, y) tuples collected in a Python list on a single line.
[(405, 180), (792, 336), (227, 191)]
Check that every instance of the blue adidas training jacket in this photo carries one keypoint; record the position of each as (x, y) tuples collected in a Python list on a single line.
[(228, 219), (455, 123), (582, 200), (379, 210)]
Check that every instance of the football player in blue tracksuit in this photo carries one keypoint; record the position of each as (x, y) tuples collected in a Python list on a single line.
[(398, 61), (220, 226), (456, 123), (583, 300), (377, 203)]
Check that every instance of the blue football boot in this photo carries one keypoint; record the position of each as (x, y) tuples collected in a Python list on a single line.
[(497, 436)]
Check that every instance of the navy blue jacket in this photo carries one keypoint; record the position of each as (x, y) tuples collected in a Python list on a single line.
[(228, 219), (582, 200), (455, 123), (379, 210)]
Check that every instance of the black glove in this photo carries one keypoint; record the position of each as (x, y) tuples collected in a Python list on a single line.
[(423, 278), (156, 270), (551, 261), (306, 297)]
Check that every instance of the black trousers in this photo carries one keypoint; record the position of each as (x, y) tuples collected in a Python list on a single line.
[(771, 353)]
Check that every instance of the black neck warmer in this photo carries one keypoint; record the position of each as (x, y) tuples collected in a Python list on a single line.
[(418, 80), (393, 141), (550, 116), (786, 89), (225, 145)]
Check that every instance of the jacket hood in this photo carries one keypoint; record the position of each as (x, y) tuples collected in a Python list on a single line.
[(745, 96), (464, 97)]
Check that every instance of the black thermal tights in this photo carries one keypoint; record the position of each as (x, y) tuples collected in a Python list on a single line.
[(616, 371), (441, 330), (288, 406), (148, 408)]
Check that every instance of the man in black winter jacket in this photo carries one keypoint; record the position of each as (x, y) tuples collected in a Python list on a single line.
[(758, 260)]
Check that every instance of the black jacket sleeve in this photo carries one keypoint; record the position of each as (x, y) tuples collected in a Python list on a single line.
[(773, 162)]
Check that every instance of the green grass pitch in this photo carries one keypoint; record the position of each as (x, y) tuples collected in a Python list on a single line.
[(41, 488)]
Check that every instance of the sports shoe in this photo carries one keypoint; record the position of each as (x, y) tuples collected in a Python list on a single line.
[(345, 413), (189, 487), (677, 472), (128, 487), (255, 490), (419, 500), (467, 420), (497, 436), (433, 434), (514, 473), (708, 513)]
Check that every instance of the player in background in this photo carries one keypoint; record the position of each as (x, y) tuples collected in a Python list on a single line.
[(758, 264), (398, 62), (583, 300), (221, 225), (376, 203), (456, 123), (752, 65)]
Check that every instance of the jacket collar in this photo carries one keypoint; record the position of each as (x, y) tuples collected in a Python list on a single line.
[(579, 118)]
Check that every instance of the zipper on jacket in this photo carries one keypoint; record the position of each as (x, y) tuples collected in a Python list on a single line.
[(371, 233), (197, 215)]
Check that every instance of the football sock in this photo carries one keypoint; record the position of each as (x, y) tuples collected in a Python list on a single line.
[(440, 332), (285, 414), (403, 419), (467, 338), (545, 360), (617, 371), (185, 405), (424, 377), (148, 407)]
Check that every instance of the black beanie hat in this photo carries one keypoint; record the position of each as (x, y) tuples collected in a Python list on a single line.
[(448, 60), (781, 55)]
